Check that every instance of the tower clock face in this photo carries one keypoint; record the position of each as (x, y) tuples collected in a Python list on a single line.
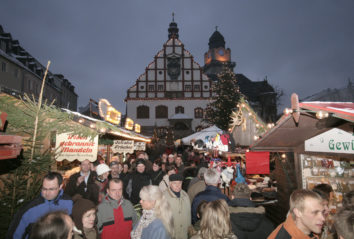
[(221, 52)]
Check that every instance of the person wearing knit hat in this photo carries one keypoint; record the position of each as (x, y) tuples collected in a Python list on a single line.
[(84, 216), (102, 171)]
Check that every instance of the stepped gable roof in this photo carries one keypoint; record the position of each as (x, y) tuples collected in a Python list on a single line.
[(216, 40)]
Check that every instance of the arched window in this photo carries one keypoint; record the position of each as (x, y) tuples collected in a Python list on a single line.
[(142, 112), (161, 112), (179, 110), (198, 113)]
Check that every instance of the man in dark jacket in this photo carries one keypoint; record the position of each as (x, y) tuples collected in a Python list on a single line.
[(83, 183), (247, 220), (211, 192), (51, 198)]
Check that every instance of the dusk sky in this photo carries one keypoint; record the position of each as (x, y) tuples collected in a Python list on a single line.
[(102, 47)]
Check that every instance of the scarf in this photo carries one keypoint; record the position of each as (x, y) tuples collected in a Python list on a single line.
[(147, 217)]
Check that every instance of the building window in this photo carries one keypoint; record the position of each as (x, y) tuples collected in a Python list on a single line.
[(179, 110), (159, 87), (3, 66), (197, 87), (160, 72), (151, 87), (188, 87), (142, 112), (141, 87), (205, 87), (198, 113), (161, 112)]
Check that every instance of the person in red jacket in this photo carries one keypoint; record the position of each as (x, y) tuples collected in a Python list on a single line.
[(115, 215), (306, 217)]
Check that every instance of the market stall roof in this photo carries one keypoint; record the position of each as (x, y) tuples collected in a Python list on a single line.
[(110, 129), (211, 132), (288, 135)]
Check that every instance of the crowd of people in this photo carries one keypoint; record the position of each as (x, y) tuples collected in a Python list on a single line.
[(174, 196)]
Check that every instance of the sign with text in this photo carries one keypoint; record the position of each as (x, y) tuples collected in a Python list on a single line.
[(73, 147), (332, 141), (140, 146), (123, 146)]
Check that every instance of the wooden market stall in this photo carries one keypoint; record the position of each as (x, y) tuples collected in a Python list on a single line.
[(311, 144)]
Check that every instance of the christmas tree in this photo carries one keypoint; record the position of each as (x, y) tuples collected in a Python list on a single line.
[(36, 122), (226, 95)]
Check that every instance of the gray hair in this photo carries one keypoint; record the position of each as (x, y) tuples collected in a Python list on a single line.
[(212, 177), (201, 172)]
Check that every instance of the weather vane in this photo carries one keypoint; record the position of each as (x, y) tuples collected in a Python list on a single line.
[(216, 28), (173, 16)]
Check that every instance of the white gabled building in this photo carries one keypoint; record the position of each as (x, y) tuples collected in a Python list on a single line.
[(173, 92)]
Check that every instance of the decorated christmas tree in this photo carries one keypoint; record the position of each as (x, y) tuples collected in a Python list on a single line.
[(226, 96)]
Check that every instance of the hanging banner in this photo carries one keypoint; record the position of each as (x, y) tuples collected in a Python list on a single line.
[(123, 146), (332, 141), (257, 162), (73, 147), (140, 146)]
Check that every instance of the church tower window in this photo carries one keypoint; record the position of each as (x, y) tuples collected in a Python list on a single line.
[(161, 112), (142, 112), (159, 87), (151, 87)]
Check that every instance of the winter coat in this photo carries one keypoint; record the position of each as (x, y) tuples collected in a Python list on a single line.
[(211, 193), (165, 183), (289, 230), (156, 177), (155, 230), (92, 190), (89, 234), (181, 211), (249, 221), (195, 189), (135, 183), (30, 213), (115, 219)]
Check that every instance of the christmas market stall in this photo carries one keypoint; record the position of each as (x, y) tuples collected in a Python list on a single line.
[(312, 143)]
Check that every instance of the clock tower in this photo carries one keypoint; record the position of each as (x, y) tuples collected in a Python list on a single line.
[(217, 58)]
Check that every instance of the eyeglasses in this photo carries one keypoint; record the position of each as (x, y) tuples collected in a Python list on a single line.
[(49, 189)]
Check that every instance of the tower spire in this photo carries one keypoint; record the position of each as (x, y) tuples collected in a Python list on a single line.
[(173, 29)]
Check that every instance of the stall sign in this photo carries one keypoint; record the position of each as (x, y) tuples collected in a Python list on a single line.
[(123, 146), (129, 123), (140, 146), (137, 128), (332, 141), (72, 147), (108, 112)]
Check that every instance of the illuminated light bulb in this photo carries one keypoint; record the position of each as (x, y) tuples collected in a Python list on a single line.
[(103, 130), (283, 156), (255, 137), (321, 114), (287, 111), (257, 125), (81, 121), (92, 125), (242, 105), (249, 113)]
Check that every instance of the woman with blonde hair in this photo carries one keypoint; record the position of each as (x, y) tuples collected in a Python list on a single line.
[(156, 221), (215, 222)]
